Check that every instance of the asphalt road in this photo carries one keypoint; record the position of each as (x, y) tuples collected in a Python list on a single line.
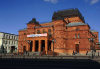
[(48, 64)]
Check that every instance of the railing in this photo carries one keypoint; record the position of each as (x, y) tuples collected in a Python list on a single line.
[(46, 57)]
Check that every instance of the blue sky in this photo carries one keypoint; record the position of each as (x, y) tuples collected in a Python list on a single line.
[(14, 14)]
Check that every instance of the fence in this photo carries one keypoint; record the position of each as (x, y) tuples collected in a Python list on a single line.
[(46, 57)]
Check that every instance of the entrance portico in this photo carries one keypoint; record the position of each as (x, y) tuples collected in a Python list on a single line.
[(37, 44)]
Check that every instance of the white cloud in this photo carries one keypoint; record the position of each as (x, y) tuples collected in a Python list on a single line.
[(51, 1), (94, 2)]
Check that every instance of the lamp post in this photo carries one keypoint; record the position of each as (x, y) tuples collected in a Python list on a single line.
[(92, 48), (5, 49), (21, 48), (53, 40), (53, 46)]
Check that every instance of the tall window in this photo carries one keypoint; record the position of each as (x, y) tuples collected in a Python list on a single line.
[(6, 36), (12, 42), (3, 41), (15, 37), (12, 37), (38, 31), (44, 31), (9, 42), (78, 35), (49, 32), (6, 42), (24, 33), (75, 36), (9, 36)]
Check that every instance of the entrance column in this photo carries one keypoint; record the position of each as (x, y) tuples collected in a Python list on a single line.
[(46, 46), (39, 46), (28, 46), (52, 46), (33, 46)]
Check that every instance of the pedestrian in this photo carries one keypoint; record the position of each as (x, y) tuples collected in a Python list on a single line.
[(28, 53), (87, 53), (98, 53), (73, 53)]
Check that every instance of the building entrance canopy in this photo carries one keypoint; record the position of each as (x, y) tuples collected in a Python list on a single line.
[(37, 35)]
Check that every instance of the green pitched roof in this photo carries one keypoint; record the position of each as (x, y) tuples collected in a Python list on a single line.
[(75, 24), (94, 31)]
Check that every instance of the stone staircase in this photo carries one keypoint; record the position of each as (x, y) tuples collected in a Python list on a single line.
[(62, 54), (32, 53)]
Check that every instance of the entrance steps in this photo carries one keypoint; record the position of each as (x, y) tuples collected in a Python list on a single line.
[(89, 53), (62, 54), (78, 54), (34, 53), (51, 53), (37, 53)]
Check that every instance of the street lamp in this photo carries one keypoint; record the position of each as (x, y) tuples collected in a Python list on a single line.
[(53, 39), (53, 45), (92, 48), (21, 48)]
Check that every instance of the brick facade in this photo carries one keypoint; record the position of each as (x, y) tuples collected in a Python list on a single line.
[(67, 35)]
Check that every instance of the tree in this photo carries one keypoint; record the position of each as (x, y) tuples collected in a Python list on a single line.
[(2, 49)]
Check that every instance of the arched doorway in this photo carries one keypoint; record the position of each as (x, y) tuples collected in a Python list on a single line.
[(77, 48)]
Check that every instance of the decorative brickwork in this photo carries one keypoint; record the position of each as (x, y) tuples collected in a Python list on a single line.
[(67, 35)]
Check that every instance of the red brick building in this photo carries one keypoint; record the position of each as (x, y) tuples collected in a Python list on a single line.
[(67, 33)]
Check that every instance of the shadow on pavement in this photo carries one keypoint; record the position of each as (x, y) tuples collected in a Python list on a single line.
[(48, 64)]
